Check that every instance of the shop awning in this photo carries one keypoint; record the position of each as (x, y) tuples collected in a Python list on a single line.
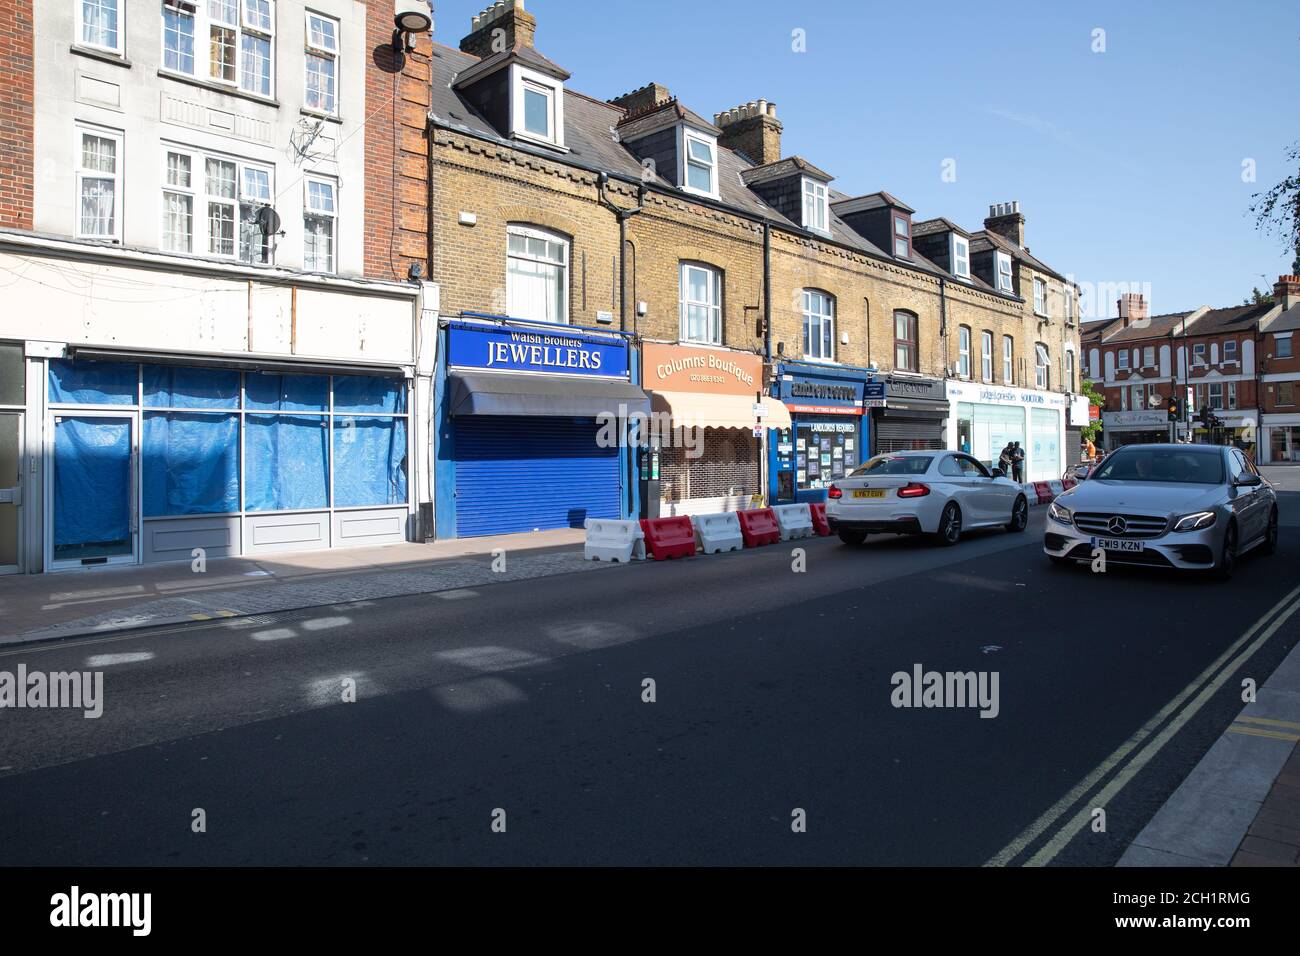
[(703, 410), (496, 393)]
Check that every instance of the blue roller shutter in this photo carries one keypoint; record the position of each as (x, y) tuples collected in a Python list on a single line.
[(517, 474)]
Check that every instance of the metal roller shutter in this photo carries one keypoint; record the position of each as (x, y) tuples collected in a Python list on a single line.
[(908, 434), (521, 474)]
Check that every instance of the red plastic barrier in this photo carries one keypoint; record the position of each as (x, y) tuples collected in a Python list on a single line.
[(1068, 483), (820, 524), (1044, 491), (758, 527), (669, 537)]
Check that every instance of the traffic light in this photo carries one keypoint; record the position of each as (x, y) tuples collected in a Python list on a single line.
[(1205, 417), (1173, 410)]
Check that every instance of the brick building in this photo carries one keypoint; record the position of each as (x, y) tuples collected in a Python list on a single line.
[(1235, 362), (211, 339), (643, 222)]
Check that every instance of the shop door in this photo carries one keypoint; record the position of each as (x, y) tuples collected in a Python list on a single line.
[(526, 474), (11, 492), (92, 490)]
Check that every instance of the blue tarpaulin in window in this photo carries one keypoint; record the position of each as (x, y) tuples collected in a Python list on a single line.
[(92, 482), (358, 393), (191, 464), (369, 461), (286, 465), (268, 391), (184, 386), (93, 383)]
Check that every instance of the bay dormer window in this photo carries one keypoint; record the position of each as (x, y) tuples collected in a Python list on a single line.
[(1004, 272), (960, 253), (537, 107), (816, 207), (698, 163)]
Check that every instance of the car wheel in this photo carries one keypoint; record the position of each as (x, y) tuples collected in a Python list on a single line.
[(1270, 537), (852, 537), (1019, 515), (949, 532), (1227, 562)]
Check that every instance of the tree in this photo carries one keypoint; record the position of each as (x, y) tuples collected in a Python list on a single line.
[(1257, 297), (1278, 209), (1095, 396)]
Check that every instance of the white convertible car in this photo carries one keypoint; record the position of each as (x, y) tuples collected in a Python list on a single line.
[(939, 493)]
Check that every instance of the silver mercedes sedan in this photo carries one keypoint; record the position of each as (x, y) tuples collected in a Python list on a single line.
[(1170, 506)]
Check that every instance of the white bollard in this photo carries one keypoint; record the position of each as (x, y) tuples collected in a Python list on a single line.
[(717, 533), (795, 521), (609, 540)]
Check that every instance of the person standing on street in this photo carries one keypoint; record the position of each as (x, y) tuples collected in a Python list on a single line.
[(1004, 459), (1018, 462)]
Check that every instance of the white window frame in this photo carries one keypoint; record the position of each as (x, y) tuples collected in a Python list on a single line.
[(1006, 282), (963, 351), (523, 79), (1042, 367), (120, 48), (986, 355), (200, 239), (537, 232), (243, 26), (1277, 346), (82, 130), (310, 211), (1122, 360), (1067, 293), (177, 7), (1148, 356), (192, 192), (1198, 354), (812, 315), (1040, 297), (1008, 360), (712, 303), (685, 137), (1232, 396), (905, 236), (1210, 388), (1236, 352), (1068, 370), (817, 195), (960, 255), (333, 55)]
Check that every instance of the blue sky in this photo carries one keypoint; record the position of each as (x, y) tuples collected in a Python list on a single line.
[(1127, 163)]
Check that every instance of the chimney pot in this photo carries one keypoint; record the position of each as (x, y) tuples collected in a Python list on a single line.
[(1286, 291)]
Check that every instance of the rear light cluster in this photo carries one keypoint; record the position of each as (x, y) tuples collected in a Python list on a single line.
[(834, 492), (914, 489)]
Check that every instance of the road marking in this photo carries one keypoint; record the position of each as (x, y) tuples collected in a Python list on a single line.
[(199, 617), (1243, 719), (1260, 732), (1081, 789)]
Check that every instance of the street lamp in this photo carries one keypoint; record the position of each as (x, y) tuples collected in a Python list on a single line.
[(410, 17)]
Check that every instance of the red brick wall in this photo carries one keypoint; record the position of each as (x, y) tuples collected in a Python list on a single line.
[(16, 114), (397, 168)]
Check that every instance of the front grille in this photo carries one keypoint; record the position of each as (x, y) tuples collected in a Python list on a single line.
[(1136, 526)]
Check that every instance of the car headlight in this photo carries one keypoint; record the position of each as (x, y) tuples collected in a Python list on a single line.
[(1195, 522), (1060, 513)]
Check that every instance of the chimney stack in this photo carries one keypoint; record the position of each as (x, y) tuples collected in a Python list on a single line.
[(1007, 221), (753, 129), (502, 26), (1286, 292), (647, 97), (1133, 308)]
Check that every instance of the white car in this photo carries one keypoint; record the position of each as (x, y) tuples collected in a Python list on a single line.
[(939, 493)]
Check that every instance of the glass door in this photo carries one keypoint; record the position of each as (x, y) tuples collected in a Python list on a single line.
[(11, 493), (92, 513)]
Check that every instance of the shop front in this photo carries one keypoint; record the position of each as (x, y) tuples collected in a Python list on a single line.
[(914, 418), (533, 427), (1145, 427), (1281, 439), (985, 418), (829, 434), (706, 432), (1239, 428)]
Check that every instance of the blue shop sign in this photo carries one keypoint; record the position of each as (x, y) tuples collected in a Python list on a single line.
[(816, 393), (529, 349)]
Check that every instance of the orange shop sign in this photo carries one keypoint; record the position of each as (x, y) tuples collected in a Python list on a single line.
[(686, 368)]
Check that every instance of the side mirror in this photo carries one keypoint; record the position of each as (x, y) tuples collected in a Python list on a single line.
[(1082, 472), (1247, 481)]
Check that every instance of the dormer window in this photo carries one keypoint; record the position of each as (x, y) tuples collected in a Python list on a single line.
[(537, 112), (699, 163), (902, 237), (1004, 272), (960, 256), (816, 207)]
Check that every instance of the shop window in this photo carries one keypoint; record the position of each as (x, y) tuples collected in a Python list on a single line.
[(824, 452), (93, 383), (906, 344), (362, 394), (267, 391), (190, 463), (185, 386), (700, 304), (369, 461), (537, 285), (287, 466), (13, 385), (818, 325)]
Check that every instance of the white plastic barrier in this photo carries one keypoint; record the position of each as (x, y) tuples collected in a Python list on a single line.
[(1058, 488), (609, 540), (1031, 493), (718, 532), (795, 521)]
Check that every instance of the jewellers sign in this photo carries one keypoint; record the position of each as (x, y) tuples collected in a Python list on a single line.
[(530, 349)]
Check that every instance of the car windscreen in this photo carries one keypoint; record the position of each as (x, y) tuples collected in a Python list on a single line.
[(1182, 465), (895, 465)]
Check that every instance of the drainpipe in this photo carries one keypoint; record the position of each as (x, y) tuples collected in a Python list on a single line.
[(767, 291), (623, 215), (943, 323)]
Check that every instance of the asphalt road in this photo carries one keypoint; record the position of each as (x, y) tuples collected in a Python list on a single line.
[(772, 694)]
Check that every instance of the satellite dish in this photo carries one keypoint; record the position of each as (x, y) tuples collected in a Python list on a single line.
[(268, 220)]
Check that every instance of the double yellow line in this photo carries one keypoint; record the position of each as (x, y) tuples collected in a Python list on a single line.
[(1186, 705)]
